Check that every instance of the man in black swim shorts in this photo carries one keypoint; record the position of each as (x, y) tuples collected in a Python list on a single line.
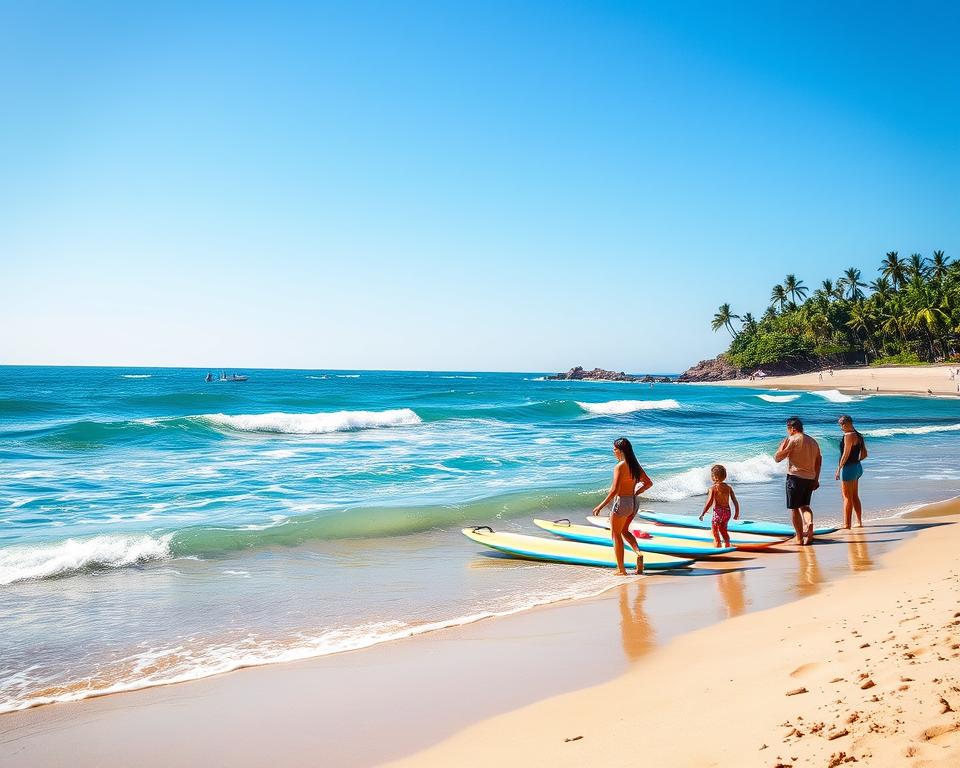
[(803, 476)]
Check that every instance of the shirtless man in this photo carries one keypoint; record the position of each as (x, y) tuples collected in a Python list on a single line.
[(803, 476)]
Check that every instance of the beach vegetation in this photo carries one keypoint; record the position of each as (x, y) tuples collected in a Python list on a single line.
[(908, 314)]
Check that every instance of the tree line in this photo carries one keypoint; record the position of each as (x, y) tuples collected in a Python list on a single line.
[(908, 314)]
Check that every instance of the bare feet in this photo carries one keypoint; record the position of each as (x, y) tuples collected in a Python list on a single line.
[(621, 573)]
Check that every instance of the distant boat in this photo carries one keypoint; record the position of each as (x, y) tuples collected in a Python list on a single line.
[(231, 377), (208, 378)]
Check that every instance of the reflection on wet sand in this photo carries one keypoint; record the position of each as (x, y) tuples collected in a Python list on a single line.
[(809, 577), (635, 629), (731, 586), (858, 553)]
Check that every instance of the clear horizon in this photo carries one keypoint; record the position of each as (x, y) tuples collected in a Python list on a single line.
[(454, 187)]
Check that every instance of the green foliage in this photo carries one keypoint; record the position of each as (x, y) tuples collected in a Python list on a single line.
[(902, 358), (909, 314), (769, 347)]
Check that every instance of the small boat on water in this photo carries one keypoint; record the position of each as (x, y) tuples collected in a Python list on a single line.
[(224, 377)]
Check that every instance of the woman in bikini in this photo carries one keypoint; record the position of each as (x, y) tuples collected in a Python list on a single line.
[(629, 480), (853, 450)]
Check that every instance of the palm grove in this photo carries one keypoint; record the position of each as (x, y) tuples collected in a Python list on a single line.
[(909, 314)]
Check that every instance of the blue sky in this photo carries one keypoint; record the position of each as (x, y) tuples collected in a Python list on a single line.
[(489, 186)]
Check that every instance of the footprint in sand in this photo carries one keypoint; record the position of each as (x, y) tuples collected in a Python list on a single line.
[(804, 668)]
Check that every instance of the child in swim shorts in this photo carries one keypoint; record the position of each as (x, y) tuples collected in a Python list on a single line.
[(721, 496)]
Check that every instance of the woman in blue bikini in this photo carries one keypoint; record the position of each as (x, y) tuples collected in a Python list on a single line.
[(853, 450)]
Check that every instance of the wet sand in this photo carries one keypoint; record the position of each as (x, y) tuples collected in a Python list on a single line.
[(370, 706), (864, 672)]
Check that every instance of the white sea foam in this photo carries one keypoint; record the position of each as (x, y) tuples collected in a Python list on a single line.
[(778, 398), (183, 664), (347, 375), (42, 561), (696, 482), (927, 430), (313, 423), (137, 376), (620, 407), (836, 396)]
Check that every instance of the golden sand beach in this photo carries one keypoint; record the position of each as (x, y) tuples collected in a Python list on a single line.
[(917, 380), (865, 672), (857, 659)]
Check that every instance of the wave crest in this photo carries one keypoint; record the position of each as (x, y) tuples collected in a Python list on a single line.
[(930, 429), (66, 558), (696, 482), (313, 423), (620, 407), (778, 398), (836, 396)]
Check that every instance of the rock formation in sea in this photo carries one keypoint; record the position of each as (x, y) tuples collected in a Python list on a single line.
[(717, 369), (599, 374)]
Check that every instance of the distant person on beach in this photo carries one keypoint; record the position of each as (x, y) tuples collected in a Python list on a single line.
[(803, 476), (721, 495), (853, 450), (629, 480)]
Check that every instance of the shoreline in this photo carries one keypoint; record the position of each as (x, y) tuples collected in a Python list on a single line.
[(439, 665), (897, 682), (895, 380)]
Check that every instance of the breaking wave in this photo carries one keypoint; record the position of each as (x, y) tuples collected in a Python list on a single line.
[(66, 558), (778, 398), (620, 407), (927, 430), (313, 423), (696, 482)]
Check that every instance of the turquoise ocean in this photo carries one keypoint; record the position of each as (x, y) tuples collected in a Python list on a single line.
[(156, 528)]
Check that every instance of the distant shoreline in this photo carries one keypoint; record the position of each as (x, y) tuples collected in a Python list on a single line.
[(900, 380)]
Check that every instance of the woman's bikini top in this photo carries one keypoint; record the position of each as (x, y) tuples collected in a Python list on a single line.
[(855, 451)]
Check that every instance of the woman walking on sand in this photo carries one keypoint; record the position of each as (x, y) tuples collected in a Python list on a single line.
[(629, 480), (853, 450)]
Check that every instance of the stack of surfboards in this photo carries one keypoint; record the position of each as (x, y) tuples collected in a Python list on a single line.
[(567, 551)]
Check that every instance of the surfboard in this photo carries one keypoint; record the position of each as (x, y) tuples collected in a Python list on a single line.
[(663, 545), (565, 551), (761, 527), (745, 542)]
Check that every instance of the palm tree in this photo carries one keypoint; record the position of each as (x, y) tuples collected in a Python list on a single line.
[(794, 288), (724, 319), (778, 296), (861, 321), (894, 269), (853, 284), (939, 266), (880, 288), (749, 322), (917, 267)]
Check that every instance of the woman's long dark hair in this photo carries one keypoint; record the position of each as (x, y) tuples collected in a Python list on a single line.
[(623, 445)]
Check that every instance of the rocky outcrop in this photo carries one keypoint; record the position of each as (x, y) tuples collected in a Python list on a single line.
[(599, 374), (717, 369)]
